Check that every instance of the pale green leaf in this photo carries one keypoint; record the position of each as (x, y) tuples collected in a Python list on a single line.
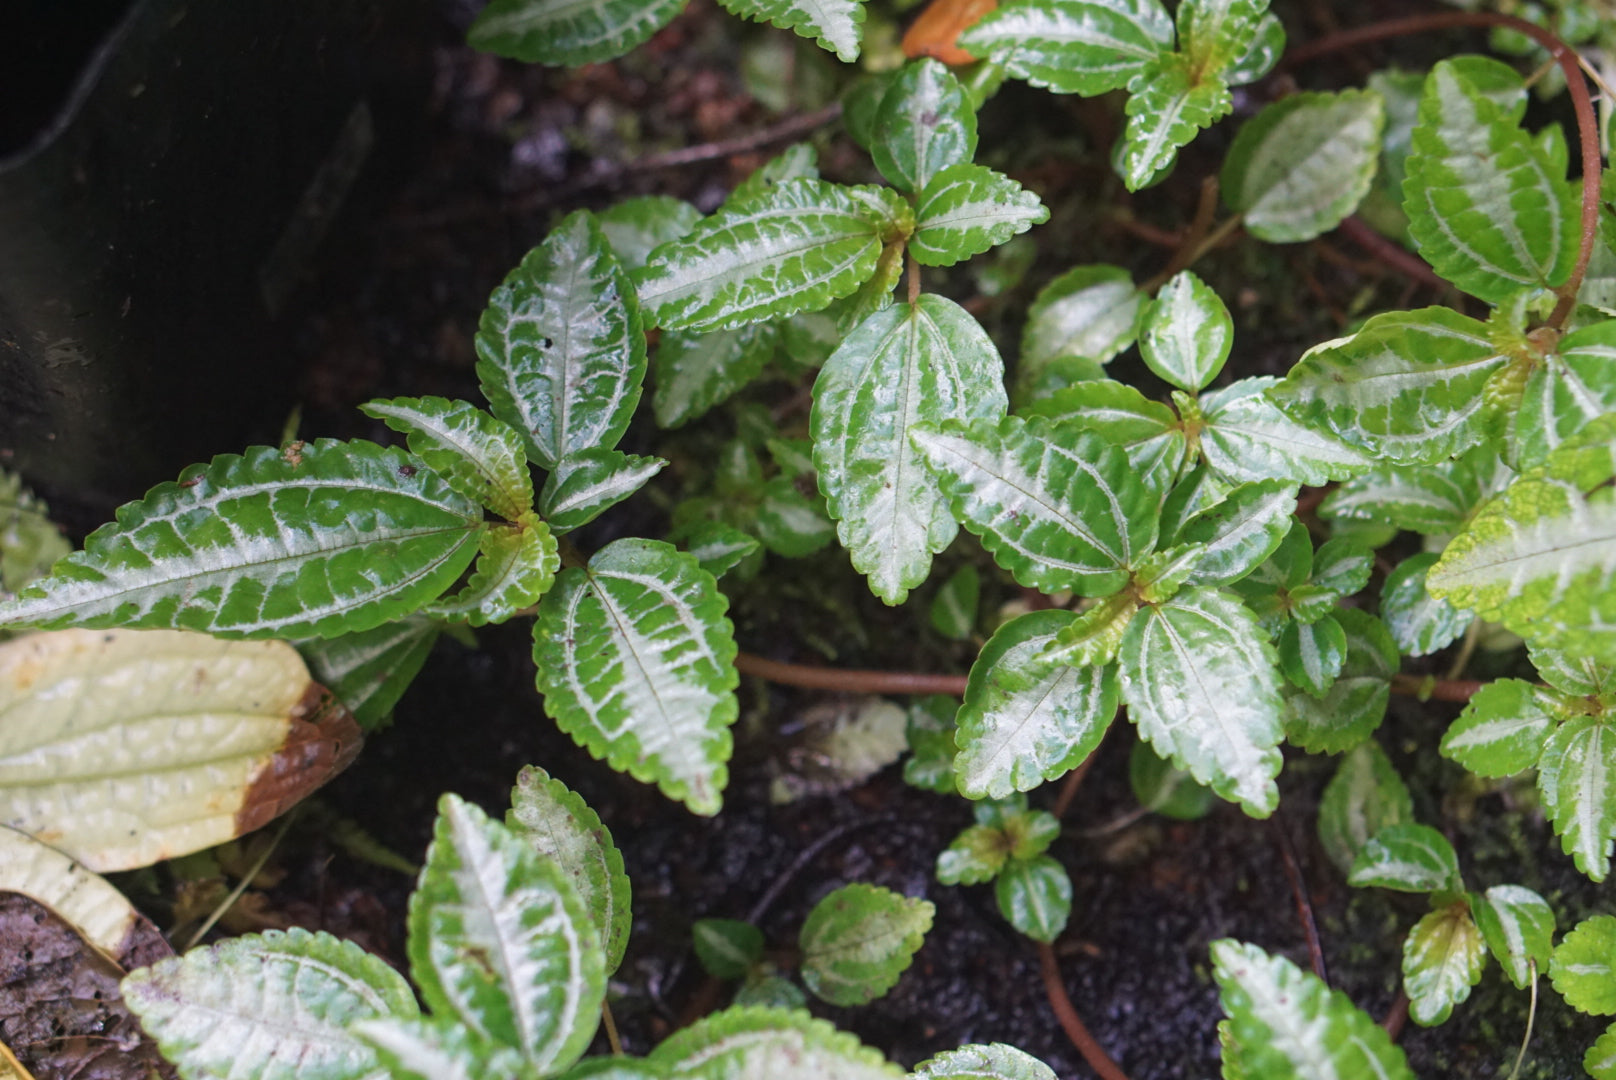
[(1085, 316), (1407, 387), (553, 820), (1246, 437), (1355, 704), (477, 455), (695, 371), (1093, 638), (635, 660), (1149, 431), (1503, 728), (772, 991), (719, 548), (954, 608), (1429, 499), (753, 1043), (1487, 208), (1570, 386), (1518, 926), (1035, 897), (1443, 957), (1311, 655), (858, 940), (437, 1048), (1600, 1060), (796, 248), (1198, 678), (1419, 622), (833, 24), (271, 1006), (369, 671), (727, 948), (976, 855), (1168, 103), (1304, 163), (585, 483), (1584, 967), (323, 539), (1162, 788), (568, 32), (1213, 34), (1363, 797), (925, 123), (1287, 1024), (1261, 55), (501, 942), (29, 542), (799, 161), (1239, 533), (965, 210), (515, 566), (790, 523), (910, 364), (930, 734), (1187, 334), (637, 226), (1407, 857), (1072, 46), (1025, 720), (1577, 780), (1575, 676), (1057, 507), (561, 347), (979, 1061)]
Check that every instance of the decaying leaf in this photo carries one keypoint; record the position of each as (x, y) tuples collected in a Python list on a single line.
[(842, 743), (123, 747)]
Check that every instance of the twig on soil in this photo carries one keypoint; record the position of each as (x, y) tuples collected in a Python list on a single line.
[(1397, 1015), (849, 681), (1070, 1022), (1304, 905)]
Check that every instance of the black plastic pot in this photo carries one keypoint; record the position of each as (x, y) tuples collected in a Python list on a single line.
[(168, 172)]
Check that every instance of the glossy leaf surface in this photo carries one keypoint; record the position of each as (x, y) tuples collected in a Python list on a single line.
[(515, 566), (560, 32), (836, 25), (1409, 858), (1168, 104), (586, 483), (743, 1043), (1363, 797), (1073, 46), (477, 455), (1584, 966), (967, 209), (924, 124), (1035, 897), (991, 1061), (1187, 333), (695, 372), (1443, 957), (1518, 926), (858, 940), (1247, 437)]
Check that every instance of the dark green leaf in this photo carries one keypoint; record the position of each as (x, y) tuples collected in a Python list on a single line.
[(925, 123)]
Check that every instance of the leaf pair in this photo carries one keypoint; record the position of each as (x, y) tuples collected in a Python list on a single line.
[(1007, 846)]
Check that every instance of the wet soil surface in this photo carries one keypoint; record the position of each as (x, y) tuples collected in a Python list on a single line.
[(505, 150)]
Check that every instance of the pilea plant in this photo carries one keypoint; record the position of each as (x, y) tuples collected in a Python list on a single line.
[(1172, 571)]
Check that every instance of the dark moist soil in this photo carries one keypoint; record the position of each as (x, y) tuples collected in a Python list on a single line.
[(505, 150)]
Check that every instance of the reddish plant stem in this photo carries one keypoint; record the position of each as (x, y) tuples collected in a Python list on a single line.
[(1396, 1016), (1304, 904), (1392, 254), (1576, 85), (1074, 780), (849, 681), (1070, 1022), (1431, 688)]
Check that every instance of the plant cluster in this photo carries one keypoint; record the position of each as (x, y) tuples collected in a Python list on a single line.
[(1178, 578)]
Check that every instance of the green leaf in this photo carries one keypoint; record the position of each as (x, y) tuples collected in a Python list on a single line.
[(1419, 622), (1355, 704), (1312, 654), (1024, 720), (750, 1043), (553, 820), (369, 671), (930, 734), (796, 162), (635, 661), (1503, 728), (909, 364), (1431, 499), (324, 539), (477, 455), (438, 1049), (1035, 897), (1443, 957), (1088, 314), (1363, 797), (1246, 437), (29, 542), (953, 610), (1261, 55), (1169, 102), (1057, 507), (1240, 532), (858, 940), (585, 483), (1198, 678), (515, 566), (559, 32), (1164, 789), (1072, 46), (1187, 333), (727, 948), (638, 225), (1304, 163), (1600, 1060), (561, 347), (796, 248), (1213, 34), (1149, 431), (271, 1006), (696, 371), (1487, 208), (1569, 387), (976, 855), (833, 24), (790, 523), (774, 991), (719, 548), (966, 209), (1409, 858), (1407, 387), (1287, 1024), (1575, 676), (978, 1061), (925, 123), (1093, 638), (613, 1067), (1584, 967), (1518, 926), (500, 941), (1577, 779)]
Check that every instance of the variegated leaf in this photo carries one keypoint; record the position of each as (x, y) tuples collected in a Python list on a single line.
[(587, 482), (1570, 386), (1363, 797), (1409, 858), (1148, 431), (1169, 103), (1073, 46), (750, 1043), (965, 210), (695, 372), (1083, 318), (993, 1061), (1442, 960), (560, 32), (1246, 437), (1187, 333), (834, 24), (477, 455), (1577, 779), (1240, 532), (926, 123), (1503, 728), (1518, 926), (515, 566)]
